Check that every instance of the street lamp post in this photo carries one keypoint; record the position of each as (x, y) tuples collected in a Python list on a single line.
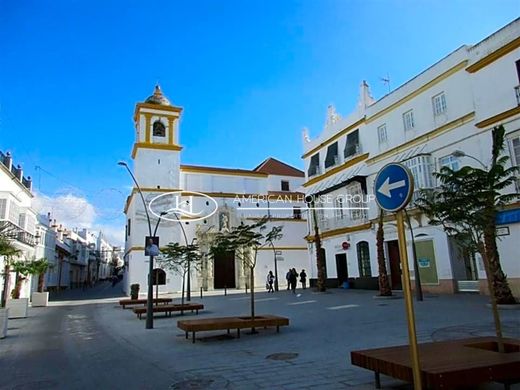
[(460, 153), (149, 301)]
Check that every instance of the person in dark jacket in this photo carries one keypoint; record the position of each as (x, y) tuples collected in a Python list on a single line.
[(293, 277), (303, 279)]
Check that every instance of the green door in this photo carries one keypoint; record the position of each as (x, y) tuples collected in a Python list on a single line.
[(427, 263)]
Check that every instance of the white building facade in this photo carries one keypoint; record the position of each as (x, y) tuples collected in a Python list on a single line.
[(451, 106), (234, 196), (18, 218)]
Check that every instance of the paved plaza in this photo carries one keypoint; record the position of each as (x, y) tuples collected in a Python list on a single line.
[(84, 340)]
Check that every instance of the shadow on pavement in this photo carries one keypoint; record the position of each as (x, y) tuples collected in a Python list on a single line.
[(100, 290)]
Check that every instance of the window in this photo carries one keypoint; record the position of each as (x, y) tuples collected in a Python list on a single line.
[(285, 185), (314, 166), (363, 254), (339, 211), (297, 213), (158, 129), (3, 208), (408, 121), (421, 168), (515, 151), (450, 161), (381, 134), (332, 155), (14, 212), (352, 145), (129, 226), (354, 198), (439, 104), (21, 220)]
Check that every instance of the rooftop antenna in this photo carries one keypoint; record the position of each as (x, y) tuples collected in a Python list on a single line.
[(386, 81)]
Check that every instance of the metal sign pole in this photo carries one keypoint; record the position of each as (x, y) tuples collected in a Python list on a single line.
[(393, 188), (412, 334)]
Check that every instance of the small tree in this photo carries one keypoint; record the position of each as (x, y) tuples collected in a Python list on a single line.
[(245, 241), (39, 267), (384, 284), (180, 258), (10, 252), (22, 269)]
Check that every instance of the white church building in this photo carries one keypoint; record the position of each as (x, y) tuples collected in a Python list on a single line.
[(218, 198)]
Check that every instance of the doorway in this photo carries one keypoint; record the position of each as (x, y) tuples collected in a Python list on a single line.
[(224, 268), (395, 264), (341, 268)]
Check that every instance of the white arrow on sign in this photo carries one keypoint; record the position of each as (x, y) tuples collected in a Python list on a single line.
[(386, 187)]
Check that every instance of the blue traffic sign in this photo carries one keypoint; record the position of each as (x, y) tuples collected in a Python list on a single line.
[(393, 187)]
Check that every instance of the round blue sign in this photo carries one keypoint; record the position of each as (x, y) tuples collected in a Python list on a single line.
[(393, 187)]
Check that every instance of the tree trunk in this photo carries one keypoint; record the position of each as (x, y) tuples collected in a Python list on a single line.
[(17, 287), (41, 282), (320, 261), (252, 282), (503, 293), (492, 295), (384, 284), (7, 279)]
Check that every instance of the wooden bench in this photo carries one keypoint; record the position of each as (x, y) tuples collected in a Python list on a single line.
[(168, 309), (227, 323), (446, 364), (131, 302)]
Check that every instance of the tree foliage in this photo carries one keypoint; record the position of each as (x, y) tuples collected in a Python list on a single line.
[(180, 259), (245, 241), (466, 203)]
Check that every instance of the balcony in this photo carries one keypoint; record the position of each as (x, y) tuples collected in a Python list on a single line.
[(17, 233), (517, 93), (348, 219)]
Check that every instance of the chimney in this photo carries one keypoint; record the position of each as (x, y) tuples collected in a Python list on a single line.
[(28, 183), (8, 161), (18, 172)]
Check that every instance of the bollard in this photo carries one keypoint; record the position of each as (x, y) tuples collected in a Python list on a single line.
[(201, 293)]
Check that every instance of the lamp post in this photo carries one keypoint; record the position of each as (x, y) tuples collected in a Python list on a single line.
[(149, 301), (188, 284), (460, 153)]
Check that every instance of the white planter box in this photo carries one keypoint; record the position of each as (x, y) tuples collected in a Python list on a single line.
[(18, 307), (40, 299), (4, 316)]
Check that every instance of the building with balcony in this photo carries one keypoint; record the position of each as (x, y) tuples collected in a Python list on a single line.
[(17, 218), (425, 123), (234, 196)]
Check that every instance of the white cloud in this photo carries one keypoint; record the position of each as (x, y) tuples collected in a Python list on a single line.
[(75, 211)]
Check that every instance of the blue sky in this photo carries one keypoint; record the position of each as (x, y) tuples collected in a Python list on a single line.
[(249, 75)]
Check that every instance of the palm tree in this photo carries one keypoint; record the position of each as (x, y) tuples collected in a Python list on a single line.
[(22, 269), (39, 267), (9, 251), (384, 285)]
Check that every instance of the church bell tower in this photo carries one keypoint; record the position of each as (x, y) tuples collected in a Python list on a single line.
[(156, 151)]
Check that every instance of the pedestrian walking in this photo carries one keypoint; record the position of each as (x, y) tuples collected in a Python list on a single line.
[(303, 279), (293, 278), (288, 278), (269, 282)]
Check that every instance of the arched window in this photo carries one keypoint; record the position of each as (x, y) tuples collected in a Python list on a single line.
[(158, 277), (158, 129), (363, 255)]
